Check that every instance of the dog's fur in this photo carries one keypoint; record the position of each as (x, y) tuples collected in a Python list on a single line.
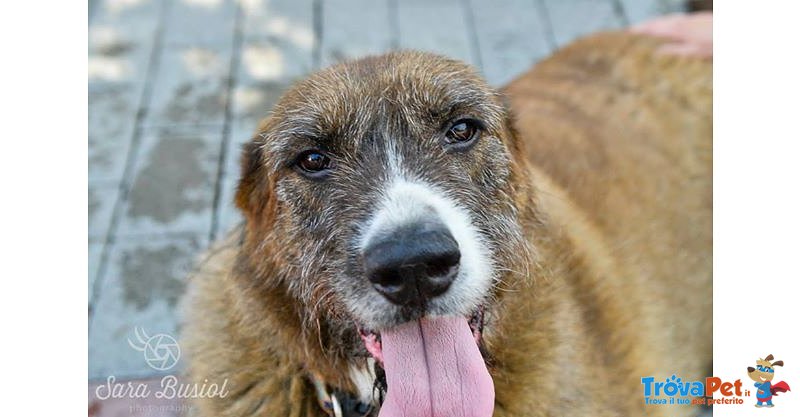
[(593, 202)]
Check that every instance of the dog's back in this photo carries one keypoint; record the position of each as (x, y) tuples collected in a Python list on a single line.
[(622, 138)]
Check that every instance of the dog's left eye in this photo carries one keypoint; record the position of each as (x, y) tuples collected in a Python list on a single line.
[(313, 163), (463, 131)]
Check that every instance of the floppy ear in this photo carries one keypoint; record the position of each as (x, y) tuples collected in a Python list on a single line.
[(254, 192), (777, 363), (769, 357)]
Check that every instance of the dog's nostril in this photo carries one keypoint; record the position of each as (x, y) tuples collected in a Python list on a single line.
[(441, 265), (388, 279), (414, 264)]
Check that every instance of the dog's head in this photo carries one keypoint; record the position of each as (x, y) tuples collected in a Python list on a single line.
[(765, 369), (382, 191)]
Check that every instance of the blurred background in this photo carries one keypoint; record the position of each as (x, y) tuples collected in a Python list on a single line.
[(175, 87)]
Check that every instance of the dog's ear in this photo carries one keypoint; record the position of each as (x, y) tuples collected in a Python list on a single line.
[(253, 194), (750, 369), (250, 165), (769, 357), (777, 363)]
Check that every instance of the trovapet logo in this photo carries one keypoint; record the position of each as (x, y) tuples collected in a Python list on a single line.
[(674, 390)]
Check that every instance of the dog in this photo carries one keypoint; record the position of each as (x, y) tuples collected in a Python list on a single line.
[(417, 243)]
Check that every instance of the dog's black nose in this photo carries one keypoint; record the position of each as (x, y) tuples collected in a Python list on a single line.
[(413, 264)]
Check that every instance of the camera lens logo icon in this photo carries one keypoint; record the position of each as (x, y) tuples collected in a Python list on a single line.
[(161, 351)]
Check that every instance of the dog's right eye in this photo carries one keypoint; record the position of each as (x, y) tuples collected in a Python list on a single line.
[(313, 163), (463, 133)]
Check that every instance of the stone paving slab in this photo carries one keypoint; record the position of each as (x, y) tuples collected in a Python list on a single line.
[(144, 282), (637, 10), (125, 12), (190, 87), (292, 20), (271, 60), (119, 47), (102, 198), (575, 18), (173, 182), (343, 39), (112, 119), (439, 26), (201, 22), (513, 34), (95, 252)]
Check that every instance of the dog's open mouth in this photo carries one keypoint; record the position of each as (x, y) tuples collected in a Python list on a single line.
[(433, 367), (372, 339)]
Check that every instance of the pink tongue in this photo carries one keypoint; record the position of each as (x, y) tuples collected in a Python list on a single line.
[(434, 369)]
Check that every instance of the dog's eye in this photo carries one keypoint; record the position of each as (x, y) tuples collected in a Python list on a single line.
[(313, 162), (463, 133)]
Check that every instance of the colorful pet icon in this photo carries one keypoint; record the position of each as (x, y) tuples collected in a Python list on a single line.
[(763, 374)]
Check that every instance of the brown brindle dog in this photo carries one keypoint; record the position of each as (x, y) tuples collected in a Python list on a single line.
[(418, 242)]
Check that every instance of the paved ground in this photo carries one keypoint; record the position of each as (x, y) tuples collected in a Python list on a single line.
[(176, 86)]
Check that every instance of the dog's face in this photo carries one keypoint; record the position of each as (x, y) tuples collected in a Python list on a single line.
[(761, 373), (383, 192), (764, 370)]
